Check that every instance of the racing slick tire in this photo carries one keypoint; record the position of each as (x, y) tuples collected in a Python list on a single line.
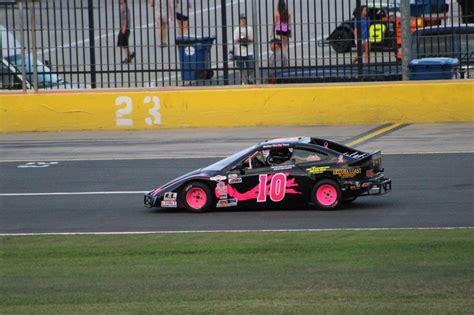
[(342, 40), (197, 197), (326, 194)]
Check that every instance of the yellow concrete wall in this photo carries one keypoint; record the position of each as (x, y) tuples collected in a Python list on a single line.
[(414, 102)]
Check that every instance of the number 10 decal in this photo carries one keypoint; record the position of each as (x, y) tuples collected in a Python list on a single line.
[(277, 187)]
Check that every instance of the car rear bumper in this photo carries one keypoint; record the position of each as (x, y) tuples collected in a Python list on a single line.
[(380, 186)]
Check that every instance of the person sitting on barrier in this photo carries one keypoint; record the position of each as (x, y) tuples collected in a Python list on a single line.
[(243, 50), (124, 32), (164, 9), (277, 60)]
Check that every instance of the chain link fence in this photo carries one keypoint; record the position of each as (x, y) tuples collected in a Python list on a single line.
[(73, 44)]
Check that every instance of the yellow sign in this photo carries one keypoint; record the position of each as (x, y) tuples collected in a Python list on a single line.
[(376, 32), (347, 173), (317, 170)]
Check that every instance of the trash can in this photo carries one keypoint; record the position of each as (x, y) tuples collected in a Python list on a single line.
[(433, 68), (195, 57)]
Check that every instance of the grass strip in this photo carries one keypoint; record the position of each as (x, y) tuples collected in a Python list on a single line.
[(409, 271)]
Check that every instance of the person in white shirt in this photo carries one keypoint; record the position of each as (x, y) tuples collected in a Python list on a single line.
[(243, 50)]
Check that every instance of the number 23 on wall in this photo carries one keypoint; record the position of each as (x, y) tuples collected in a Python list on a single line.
[(126, 103)]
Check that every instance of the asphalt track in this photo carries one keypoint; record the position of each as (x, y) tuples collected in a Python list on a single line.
[(432, 168), (429, 190)]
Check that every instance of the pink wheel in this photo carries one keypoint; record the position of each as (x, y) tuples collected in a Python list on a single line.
[(197, 197), (326, 194)]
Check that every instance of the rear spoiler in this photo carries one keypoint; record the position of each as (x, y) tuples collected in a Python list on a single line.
[(375, 158)]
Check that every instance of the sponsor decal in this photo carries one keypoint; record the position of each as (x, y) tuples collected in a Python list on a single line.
[(340, 159), (279, 145), (356, 155), (227, 203), (282, 167), (234, 179), (277, 186), (169, 200), (221, 190), (317, 169), (218, 178), (347, 173)]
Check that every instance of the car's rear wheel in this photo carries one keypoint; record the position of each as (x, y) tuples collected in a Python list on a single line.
[(197, 197), (326, 194), (342, 40)]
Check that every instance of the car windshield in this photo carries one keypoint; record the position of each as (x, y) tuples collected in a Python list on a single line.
[(45, 77), (222, 164)]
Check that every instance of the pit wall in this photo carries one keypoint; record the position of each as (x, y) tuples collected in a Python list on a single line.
[(421, 102)]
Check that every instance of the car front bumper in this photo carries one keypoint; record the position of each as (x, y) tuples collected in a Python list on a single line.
[(149, 200)]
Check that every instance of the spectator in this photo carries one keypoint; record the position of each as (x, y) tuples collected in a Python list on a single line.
[(181, 8), (243, 50), (364, 33), (164, 7), (124, 32), (282, 24), (277, 59)]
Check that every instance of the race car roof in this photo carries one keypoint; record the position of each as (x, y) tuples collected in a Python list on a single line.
[(292, 140)]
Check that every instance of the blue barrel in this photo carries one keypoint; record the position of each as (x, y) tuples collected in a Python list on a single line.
[(195, 57), (433, 68)]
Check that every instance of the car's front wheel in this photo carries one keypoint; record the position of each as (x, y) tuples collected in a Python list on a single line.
[(326, 194), (197, 197)]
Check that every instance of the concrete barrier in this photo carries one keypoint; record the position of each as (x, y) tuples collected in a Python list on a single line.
[(420, 102)]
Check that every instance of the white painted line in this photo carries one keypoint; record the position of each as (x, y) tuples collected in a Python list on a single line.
[(187, 156), (237, 231), (74, 193)]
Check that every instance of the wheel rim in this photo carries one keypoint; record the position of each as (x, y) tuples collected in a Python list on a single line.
[(326, 195), (196, 198)]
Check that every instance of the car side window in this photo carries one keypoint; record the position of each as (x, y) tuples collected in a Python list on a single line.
[(301, 156), (254, 161)]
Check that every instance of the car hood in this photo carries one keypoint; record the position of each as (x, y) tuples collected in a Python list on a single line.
[(196, 174)]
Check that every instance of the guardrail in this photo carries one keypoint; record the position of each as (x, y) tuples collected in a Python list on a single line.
[(73, 43)]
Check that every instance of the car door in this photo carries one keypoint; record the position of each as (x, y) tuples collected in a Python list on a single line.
[(261, 184), (312, 164)]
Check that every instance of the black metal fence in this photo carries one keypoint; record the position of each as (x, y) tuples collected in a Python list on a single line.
[(73, 43)]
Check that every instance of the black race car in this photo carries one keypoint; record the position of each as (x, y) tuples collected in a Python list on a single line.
[(279, 173)]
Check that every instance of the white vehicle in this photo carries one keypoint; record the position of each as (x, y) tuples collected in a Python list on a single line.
[(12, 66)]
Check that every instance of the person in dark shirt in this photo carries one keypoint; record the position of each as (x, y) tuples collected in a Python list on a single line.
[(124, 32)]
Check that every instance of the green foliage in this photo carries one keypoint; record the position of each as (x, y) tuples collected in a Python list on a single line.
[(425, 271)]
